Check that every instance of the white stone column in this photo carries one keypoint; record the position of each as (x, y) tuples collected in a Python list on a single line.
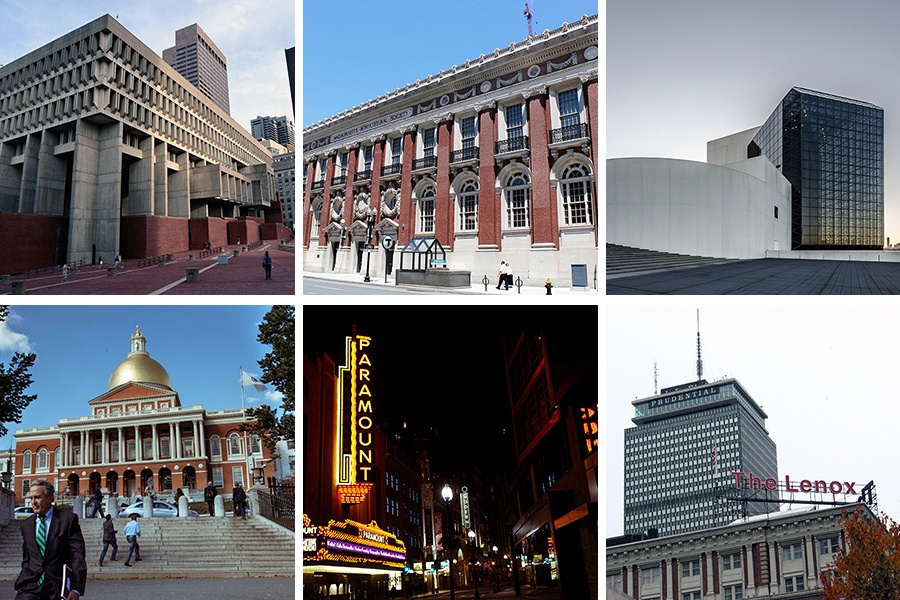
[(154, 454), (104, 452), (200, 444), (178, 452), (62, 451), (172, 453), (194, 427), (751, 577), (83, 460), (137, 444), (121, 445)]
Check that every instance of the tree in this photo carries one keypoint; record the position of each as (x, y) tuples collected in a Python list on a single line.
[(14, 380), (871, 566), (277, 331)]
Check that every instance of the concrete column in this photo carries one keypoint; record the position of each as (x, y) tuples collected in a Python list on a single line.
[(27, 192), (219, 506), (155, 452), (489, 215), (160, 178), (51, 177), (140, 182), (148, 506), (94, 224), (183, 506), (749, 562), (179, 189)]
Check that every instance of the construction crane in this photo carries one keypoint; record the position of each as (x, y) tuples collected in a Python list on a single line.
[(527, 12)]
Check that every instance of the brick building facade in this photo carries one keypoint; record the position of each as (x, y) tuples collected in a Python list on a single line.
[(137, 435), (105, 149), (495, 158)]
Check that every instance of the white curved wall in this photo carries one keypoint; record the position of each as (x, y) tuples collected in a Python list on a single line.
[(697, 208)]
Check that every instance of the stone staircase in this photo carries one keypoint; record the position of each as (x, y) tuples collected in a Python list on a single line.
[(622, 260), (177, 547)]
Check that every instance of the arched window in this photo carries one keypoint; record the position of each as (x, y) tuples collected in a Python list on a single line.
[(42, 460), (254, 443), (26, 460), (467, 204), (576, 196), (517, 190), (235, 444), (426, 210), (215, 446)]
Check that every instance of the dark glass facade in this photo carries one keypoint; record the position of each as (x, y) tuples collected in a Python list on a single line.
[(680, 457), (831, 149)]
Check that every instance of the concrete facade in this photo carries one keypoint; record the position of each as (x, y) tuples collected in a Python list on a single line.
[(496, 158), (696, 208), (98, 135)]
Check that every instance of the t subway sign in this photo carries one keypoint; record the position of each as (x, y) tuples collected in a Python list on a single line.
[(812, 486), (355, 438)]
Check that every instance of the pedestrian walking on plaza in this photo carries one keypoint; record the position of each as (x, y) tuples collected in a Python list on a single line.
[(502, 274), (267, 265), (132, 533), (239, 497), (209, 496), (109, 539), (509, 276), (65, 270), (51, 538), (239, 245)]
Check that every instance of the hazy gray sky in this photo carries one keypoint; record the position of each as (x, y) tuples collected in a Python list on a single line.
[(682, 73), (252, 34), (825, 374)]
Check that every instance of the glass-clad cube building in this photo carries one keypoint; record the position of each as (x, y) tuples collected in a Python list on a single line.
[(680, 456), (831, 149)]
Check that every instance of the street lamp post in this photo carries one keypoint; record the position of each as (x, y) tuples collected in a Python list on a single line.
[(495, 571), (472, 547), (447, 494)]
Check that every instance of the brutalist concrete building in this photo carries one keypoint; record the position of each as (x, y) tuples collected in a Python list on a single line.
[(105, 149)]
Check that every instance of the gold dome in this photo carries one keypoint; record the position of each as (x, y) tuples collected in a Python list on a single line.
[(139, 367)]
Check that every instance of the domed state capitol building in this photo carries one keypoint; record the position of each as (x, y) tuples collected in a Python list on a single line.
[(137, 437)]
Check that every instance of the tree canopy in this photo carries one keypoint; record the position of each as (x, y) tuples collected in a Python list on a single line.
[(870, 568), (14, 380), (276, 331)]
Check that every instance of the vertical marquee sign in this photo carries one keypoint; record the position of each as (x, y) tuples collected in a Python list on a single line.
[(355, 437)]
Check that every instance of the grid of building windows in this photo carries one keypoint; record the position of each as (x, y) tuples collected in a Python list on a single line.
[(831, 149), (680, 456)]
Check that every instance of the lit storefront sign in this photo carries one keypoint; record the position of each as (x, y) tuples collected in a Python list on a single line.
[(589, 427), (352, 542), (464, 504), (355, 427)]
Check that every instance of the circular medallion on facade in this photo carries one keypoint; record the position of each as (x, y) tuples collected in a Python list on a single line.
[(591, 53), (534, 71), (485, 86), (445, 100), (83, 473), (176, 467)]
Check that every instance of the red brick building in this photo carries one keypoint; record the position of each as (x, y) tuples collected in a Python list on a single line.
[(494, 158), (137, 434)]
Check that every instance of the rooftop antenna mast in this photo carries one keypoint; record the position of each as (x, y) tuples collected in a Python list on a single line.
[(655, 387), (699, 360), (527, 12)]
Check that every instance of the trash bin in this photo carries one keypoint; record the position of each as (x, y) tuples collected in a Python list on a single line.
[(193, 275)]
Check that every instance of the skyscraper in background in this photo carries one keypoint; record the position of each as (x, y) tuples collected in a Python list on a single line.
[(199, 60), (680, 457), (279, 129)]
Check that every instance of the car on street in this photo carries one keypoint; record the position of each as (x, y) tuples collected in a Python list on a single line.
[(160, 509), (23, 512)]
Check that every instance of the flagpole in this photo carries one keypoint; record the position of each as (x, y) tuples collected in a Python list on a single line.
[(246, 445)]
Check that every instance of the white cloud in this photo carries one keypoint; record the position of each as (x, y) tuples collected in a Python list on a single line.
[(10, 341)]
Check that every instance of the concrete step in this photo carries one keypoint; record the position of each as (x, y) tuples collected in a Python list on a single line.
[(208, 547)]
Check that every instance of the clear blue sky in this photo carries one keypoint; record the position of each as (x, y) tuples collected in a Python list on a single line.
[(682, 73), (78, 347), (252, 34), (357, 50)]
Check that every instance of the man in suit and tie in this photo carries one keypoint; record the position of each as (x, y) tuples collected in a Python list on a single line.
[(51, 538)]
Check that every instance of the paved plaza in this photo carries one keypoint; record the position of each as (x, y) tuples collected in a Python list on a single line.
[(179, 589), (243, 275), (765, 276)]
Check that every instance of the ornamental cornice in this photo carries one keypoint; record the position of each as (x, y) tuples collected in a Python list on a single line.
[(457, 75), (438, 119), (592, 74), (537, 90)]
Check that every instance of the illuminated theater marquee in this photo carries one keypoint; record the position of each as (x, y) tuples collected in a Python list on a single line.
[(355, 437), (343, 542)]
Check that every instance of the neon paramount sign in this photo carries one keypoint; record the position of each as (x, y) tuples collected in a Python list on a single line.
[(354, 422), (804, 485)]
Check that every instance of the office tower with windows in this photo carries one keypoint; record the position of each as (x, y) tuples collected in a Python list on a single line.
[(680, 456), (199, 60), (831, 149), (278, 129)]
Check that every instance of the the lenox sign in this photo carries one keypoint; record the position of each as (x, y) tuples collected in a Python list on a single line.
[(806, 486), (707, 391)]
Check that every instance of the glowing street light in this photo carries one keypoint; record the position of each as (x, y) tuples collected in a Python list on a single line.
[(447, 495)]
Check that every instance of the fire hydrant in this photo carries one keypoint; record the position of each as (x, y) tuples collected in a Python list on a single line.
[(549, 286)]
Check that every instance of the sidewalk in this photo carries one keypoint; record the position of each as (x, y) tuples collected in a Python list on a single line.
[(506, 592), (477, 289), (242, 275)]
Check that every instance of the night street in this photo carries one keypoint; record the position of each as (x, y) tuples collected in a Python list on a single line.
[(415, 479)]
